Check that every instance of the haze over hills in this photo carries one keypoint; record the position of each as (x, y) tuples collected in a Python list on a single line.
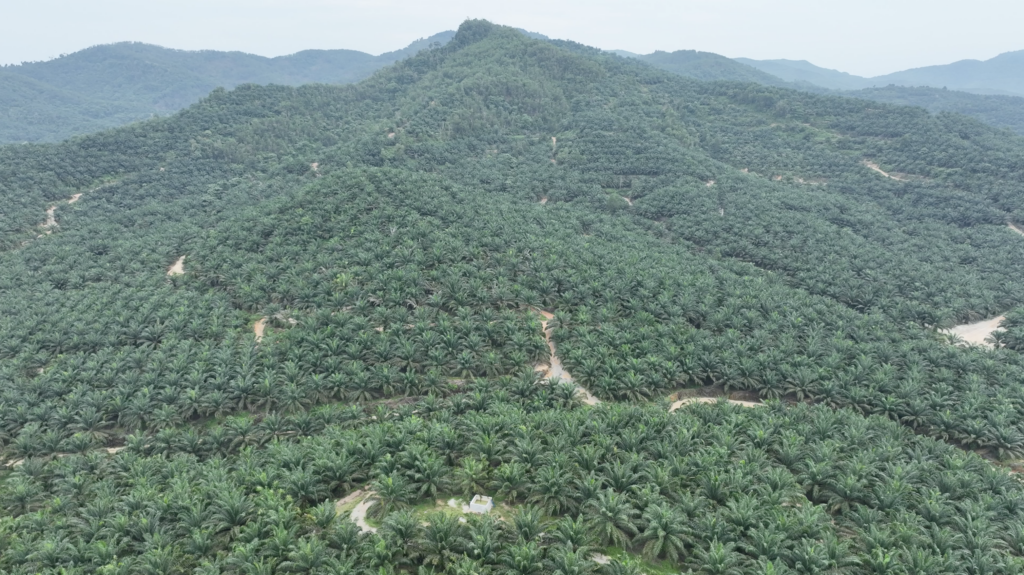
[(1001, 75), (115, 84), (112, 85), (296, 329), (1001, 111), (705, 66)]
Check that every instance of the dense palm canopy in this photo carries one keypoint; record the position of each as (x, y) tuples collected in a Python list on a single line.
[(390, 239)]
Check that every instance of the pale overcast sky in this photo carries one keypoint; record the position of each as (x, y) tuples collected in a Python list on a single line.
[(864, 37)]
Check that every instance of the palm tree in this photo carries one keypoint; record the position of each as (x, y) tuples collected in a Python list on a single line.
[(309, 556), (392, 493), (611, 518), (552, 489), (471, 476), (484, 542), (524, 558), (430, 476), (231, 510), (569, 562), (527, 522), (719, 559), (443, 539), (666, 533), (510, 481), (575, 534)]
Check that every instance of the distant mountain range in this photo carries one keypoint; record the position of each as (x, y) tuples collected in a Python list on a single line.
[(116, 84), (983, 90), (1002, 75)]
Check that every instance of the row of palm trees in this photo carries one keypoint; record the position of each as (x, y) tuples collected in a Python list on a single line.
[(802, 488)]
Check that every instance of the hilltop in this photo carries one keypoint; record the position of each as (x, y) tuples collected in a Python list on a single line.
[(287, 329)]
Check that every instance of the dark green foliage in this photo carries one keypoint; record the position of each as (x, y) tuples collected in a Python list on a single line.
[(390, 235), (999, 111)]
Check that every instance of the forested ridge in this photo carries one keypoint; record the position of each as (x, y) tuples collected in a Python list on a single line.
[(1001, 111), (396, 239), (111, 85)]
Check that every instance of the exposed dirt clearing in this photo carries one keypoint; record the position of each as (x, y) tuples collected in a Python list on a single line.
[(458, 504), (350, 498), (555, 369), (1015, 228), (976, 333), (543, 200), (259, 327), (358, 515), (875, 167), (690, 400), (178, 268), (628, 201), (74, 198), (710, 183), (601, 559)]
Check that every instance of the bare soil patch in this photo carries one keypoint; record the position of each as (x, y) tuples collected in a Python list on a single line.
[(178, 268), (628, 201), (1015, 228), (259, 327), (358, 515), (687, 401), (976, 333)]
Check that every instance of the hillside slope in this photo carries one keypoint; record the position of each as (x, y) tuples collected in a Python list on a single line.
[(999, 111), (111, 85), (802, 71), (707, 66), (293, 306), (1001, 75)]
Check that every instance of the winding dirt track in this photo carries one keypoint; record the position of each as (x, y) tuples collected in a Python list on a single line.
[(51, 219), (555, 368), (875, 167), (358, 515)]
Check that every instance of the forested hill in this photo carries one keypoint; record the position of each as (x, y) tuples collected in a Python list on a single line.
[(1001, 75), (1000, 111), (115, 84), (708, 66), (278, 331)]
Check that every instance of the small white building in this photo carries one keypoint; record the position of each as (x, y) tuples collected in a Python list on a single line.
[(481, 504)]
